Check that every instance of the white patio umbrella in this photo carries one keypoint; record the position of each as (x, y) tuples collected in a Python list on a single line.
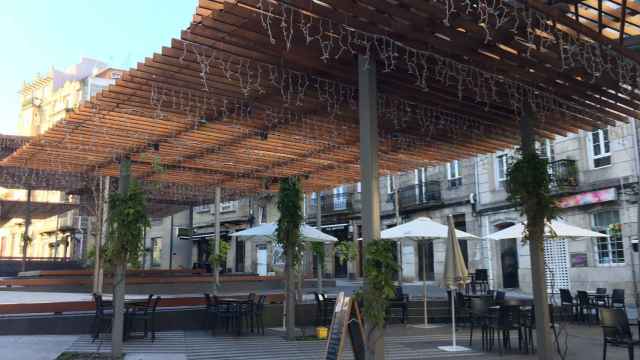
[(422, 228), (268, 230), (553, 228), (455, 276)]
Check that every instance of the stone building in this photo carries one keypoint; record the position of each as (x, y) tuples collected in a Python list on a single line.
[(45, 101)]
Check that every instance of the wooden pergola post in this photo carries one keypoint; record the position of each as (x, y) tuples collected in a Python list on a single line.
[(119, 270), (535, 227), (25, 237), (101, 217), (216, 246), (367, 112)]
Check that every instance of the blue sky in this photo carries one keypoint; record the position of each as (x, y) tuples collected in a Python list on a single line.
[(38, 34)]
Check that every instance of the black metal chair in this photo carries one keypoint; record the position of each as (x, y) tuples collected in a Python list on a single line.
[(507, 320), (103, 317), (145, 313), (400, 301), (616, 331), (617, 299), (259, 314), (500, 296), (324, 308), (481, 280), (479, 317), (601, 299), (528, 321), (585, 307), (219, 310), (568, 306)]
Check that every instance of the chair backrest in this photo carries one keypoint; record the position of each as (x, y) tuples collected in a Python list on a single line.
[(399, 293), (482, 275), (260, 303), (565, 296), (480, 306), (583, 297), (601, 291), (509, 316), (207, 300), (252, 297), (155, 304), (97, 298), (615, 324), (500, 295), (617, 296)]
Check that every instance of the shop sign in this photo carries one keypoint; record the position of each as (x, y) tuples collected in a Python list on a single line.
[(588, 198), (578, 260)]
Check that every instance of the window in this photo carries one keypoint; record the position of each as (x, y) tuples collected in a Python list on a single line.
[(228, 206), (391, 186), (359, 187), (201, 208), (339, 198), (453, 174), (502, 167), (156, 254), (609, 250), (600, 152)]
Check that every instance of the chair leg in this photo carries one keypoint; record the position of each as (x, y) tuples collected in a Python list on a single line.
[(471, 334), (630, 349), (604, 351)]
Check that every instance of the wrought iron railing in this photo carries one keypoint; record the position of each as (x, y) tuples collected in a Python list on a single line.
[(564, 174), (423, 194), (334, 203)]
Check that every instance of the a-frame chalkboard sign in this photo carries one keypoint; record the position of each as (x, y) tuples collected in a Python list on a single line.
[(346, 317)]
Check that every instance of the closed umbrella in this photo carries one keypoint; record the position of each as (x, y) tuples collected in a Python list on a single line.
[(455, 277), (553, 228), (422, 228)]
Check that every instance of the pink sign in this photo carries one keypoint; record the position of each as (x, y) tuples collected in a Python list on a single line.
[(587, 198)]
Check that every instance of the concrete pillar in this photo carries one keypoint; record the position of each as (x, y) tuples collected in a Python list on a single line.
[(120, 267), (367, 113)]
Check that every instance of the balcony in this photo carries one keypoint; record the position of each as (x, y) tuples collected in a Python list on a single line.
[(419, 195), (564, 175), (332, 204)]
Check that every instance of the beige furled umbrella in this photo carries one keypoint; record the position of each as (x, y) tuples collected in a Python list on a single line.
[(455, 277)]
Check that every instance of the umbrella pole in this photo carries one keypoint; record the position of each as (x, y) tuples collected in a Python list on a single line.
[(424, 283), (453, 319)]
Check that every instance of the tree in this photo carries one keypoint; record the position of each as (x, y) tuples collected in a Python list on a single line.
[(288, 236)]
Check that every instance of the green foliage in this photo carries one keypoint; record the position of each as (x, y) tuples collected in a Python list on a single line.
[(346, 251), (528, 183), (125, 226), (221, 257), (290, 208), (318, 250), (379, 267)]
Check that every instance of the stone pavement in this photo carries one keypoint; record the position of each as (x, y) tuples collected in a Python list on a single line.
[(41, 347)]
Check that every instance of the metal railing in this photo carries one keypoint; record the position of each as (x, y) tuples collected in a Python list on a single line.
[(418, 195), (564, 175), (334, 203)]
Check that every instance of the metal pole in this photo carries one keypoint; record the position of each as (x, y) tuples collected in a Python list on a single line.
[(103, 234), (396, 205), (367, 113), (216, 246), (120, 268), (320, 261), (424, 282), (25, 237), (171, 243)]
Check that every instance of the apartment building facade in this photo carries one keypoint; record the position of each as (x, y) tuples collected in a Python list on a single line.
[(595, 179), (45, 101)]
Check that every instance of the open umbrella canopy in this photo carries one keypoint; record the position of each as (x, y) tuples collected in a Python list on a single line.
[(307, 232), (422, 228), (553, 228)]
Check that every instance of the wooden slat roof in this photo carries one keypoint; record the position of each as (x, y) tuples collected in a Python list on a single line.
[(255, 90)]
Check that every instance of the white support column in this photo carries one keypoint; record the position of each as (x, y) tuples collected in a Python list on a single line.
[(367, 109)]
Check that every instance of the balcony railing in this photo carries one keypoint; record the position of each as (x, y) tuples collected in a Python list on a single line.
[(335, 203), (564, 175), (418, 195)]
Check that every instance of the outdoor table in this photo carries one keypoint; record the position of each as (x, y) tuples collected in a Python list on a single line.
[(237, 307)]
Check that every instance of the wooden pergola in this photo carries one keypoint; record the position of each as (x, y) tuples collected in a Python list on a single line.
[(241, 99), (332, 90)]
